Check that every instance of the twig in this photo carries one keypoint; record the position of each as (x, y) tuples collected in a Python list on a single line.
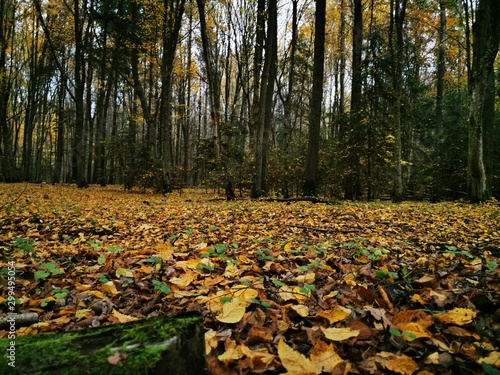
[(19, 196)]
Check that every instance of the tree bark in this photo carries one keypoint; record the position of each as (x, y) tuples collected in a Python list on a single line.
[(311, 179), (486, 35), (397, 21), (353, 182), (264, 124), (7, 164)]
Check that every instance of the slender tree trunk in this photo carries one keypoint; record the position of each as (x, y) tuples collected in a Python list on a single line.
[(79, 140), (213, 78), (397, 21), (353, 182), (316, 104), (486, 34), (172, 17), (264, 124), (7, 162), (288, 126), (441, 68)]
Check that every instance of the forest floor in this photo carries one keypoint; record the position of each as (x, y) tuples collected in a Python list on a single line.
[(297, 287)]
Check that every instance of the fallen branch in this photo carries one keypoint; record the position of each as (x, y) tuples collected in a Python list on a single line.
[(19, 320), (324, 230), (299, 199), (19, 196)]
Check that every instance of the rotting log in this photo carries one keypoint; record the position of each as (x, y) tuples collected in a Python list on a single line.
[(160, 345)]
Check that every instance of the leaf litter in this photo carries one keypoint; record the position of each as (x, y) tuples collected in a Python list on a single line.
[(296, 288)]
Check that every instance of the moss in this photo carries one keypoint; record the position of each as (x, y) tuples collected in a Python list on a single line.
[(86, 352)]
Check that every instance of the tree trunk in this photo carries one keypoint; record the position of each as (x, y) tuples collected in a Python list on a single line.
[(264, 124), (172, 17), (213, 78), (311, 179), (353, 182), (7, 163), (397, 22), (161, 345), (486, 34), (79, 141)]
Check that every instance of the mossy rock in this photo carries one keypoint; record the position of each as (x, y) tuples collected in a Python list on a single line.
[(160, 345)]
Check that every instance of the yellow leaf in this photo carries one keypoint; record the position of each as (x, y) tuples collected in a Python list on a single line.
[(401, 364), (260, 359), (295, 363), (83, 313), (247, 293), (336, 315), (109, 287), (233, 311), (492, 359), (458, 316), (324, 357), (122, 318), (231, 270), (301, 310), (211, 341), (339, 334), (183, 281), (123, 272), (231, 354)]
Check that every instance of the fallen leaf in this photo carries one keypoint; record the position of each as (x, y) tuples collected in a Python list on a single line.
[(458, 316), (339, 334), (233, 311), (295, 363)]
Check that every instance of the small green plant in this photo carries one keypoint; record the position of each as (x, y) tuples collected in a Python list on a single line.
[(96, 245), (307, 288), (103, 279), (162, 287), (101, 260), (491, 265), (260, 303), (24, 245), (264, 254), (397, 333), (50, 269), (114, 249), (60, 293), (278, 283), (154, 260), (381, 274), (307, 267)]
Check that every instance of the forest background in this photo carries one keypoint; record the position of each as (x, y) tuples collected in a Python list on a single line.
[(346, 98)]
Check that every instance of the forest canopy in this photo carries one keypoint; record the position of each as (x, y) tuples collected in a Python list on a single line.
[(165, 94)]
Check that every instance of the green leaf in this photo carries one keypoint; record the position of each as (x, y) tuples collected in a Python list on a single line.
[(490, 370), (161, 287), (153, 259), (103, 279), (101, 259), (410, 335), (226, 299), (395, 332), (278, 283), (114, 249), (40, 274)]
